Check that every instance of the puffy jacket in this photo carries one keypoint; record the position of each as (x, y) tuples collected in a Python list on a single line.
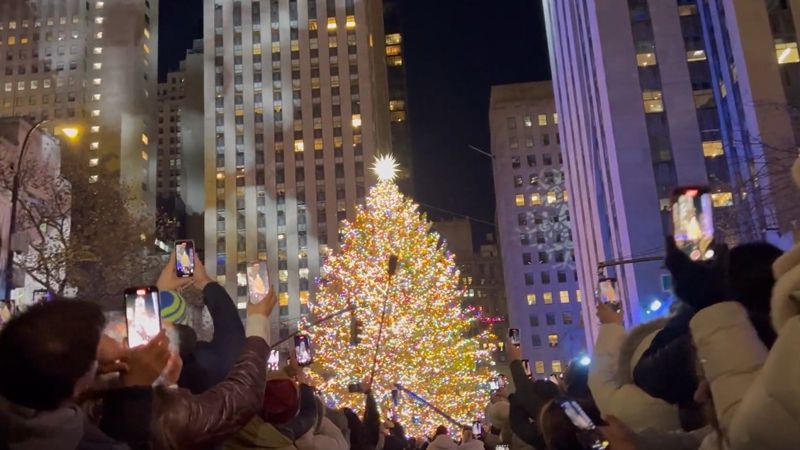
[(756, 394), (184, 420), (442, 442), (611, 379), (474, 444)]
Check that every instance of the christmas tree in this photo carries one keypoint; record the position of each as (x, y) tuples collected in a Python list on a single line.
[(426, 342)]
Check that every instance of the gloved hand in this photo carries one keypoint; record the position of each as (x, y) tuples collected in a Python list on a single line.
[(702, 283)]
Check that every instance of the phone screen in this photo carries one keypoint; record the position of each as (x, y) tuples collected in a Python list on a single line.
[(40, 295), (184, 258), (501, 447), (274, 360), (584, 423), (502, 381), (607, 293), (302, 348), (477, 428), (514, 336), (693, 222), (142, 315), (526, 366), (494, 385), (257, 281)]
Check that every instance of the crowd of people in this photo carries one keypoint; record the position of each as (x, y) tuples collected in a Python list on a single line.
[(720, 373)]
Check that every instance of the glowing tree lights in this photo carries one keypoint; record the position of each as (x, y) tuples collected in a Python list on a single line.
[(429, 344)]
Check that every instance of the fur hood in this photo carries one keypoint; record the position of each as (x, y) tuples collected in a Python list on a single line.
[(634, 346)]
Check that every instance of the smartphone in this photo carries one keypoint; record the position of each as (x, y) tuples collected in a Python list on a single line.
[(142, 315), (693, 222), (355, 388), (513, 335), (501, 447), (302, 348), (607, 293), (40, 296), (257, 281), (502, 381), (494, 385), (526, 366), (477, 429), (584, 423), (184, 258), (274, 360)]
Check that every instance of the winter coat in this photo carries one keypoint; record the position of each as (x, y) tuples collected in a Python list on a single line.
[(442, 442), (526, 403), (756, 394), (473, 444), (611, 379), (184, 420), (211, 361), (68, 428)]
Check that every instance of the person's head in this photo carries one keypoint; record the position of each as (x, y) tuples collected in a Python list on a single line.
[(398, 430), (281, 399), (576, 380), (466, 434), (441, 429), (750, 273), (558, 431), (49, 353), (357, 440)]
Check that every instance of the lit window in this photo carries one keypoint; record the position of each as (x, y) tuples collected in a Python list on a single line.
[(298, 146), (722, 199), (20, 85), (787, 52), (146, 48), (653, 102), (539, 366), (350, 24), (548, 298), (96, 97), (23, 40), (12, 25), (283, 299), (12, 40), (687, 10), (304, 297), (646, 59), (98, 20), (34, 84), (566, 196), (97, 81), (312, 25), (93, 178), (519, 199), (146, 33), (318, 144), (578, 296), (563, 296), (542, 120), (145, 139), (94, 162), (145, 155), (98, 35), (531, 299), (555, 118), (9, 86), (356, 120), (393, 50), (556, 365), (394, 39), (527, 121), (99, 5), (95, 113), (331, 24), (276, 47), (94, 146), (536, 199), (552, 341), (712, 149), (98, 50), (394, 61), (97, 66), (95, 129), (551, 198), (47, 83), (696, 55)]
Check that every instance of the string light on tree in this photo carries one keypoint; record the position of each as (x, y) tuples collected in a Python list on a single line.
[(430, 344)]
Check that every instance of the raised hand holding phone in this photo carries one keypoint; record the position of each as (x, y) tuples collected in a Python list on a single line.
[(146, 362), (185, 258), (142, 314), (169, 280)]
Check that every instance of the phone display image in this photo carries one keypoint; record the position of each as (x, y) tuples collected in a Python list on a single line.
[(584, 423), (607, 293), (493, 385), (693, 222), (477, 429), (142, 314), (526, 366), (502, 381), (184, 258), (40, 295), (501, 447), (274, 360), (514, 336), (302, 348), (257, 281)]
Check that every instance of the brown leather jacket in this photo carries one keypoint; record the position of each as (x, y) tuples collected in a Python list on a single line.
[(183, 420)]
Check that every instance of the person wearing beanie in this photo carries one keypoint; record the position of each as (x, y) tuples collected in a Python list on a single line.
[(611, 374), (441, 440), (173, 307)]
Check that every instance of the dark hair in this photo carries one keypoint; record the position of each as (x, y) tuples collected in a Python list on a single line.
[(46, 350), (357, 439), (558, 431), (750, 273), (576, 380), (441, 429), (398, 430)]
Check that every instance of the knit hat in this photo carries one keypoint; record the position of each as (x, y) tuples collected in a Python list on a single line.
[(281, 399), (173, 307)]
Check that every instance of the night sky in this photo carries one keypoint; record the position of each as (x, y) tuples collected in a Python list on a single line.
[(455, 51)]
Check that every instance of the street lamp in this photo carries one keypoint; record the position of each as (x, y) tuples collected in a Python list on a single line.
[(72, 134)]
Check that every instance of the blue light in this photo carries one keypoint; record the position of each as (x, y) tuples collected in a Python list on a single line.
[(655, 305), (585, 360)]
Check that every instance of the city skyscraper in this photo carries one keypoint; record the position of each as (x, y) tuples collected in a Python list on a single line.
[(533, 222), (295, 109), (91, 64), (648, 104), (170, 101), (398, 90)]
